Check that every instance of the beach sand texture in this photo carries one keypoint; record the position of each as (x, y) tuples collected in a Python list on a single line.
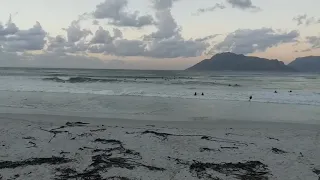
[(62, 147)]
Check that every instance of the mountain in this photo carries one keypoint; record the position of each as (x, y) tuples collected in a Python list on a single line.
[(306, 64), (238, 62)]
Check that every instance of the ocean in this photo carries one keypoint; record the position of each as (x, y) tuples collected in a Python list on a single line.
[(161, 95), (124, 124)]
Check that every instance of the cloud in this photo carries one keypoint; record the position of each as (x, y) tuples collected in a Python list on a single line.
[(124, 47), (76, 41), (245, 41), (53, 60), (313, 41), (166, 26), (304, 19), (300, 19), (210, 9), (117, 33), (163, 4), (75, 33), (95, 22), (114, 11), (165, 42), (104, 42), (102, 37), (243, 4), (176, 47), (9, 29), (24, 40), (207, 37), (58, 45)]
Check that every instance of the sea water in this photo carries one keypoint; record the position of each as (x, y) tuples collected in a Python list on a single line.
[(161, 95)]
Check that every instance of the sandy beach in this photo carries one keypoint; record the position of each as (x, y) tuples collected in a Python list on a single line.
[(65, 147)]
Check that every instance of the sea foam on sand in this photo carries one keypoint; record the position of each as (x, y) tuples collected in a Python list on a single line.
[(61, 147)]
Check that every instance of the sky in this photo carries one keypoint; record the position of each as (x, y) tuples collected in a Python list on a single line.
[(153, 34)]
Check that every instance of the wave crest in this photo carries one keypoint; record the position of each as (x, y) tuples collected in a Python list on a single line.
[(78, 80)]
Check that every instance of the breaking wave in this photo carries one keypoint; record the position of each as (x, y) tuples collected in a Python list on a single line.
[(78, 79), (153, 80)]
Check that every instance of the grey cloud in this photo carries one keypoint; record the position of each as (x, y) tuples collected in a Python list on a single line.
[(166, 26), (125, 47), (245, 41), (22, 40), (165, 42), (119, 47), (117, 33), (242, 4), (79, 47), (163, 4), (176, 47), (97, 48), (102, 48), (52, 60), (314, 41), (113, 10), (210, 9), (9, 29), (307, 21), (101, 36), (110, 9), (95, 22), (75, 33), (75, 41), (207, 38), (300, 19), (58, 44)]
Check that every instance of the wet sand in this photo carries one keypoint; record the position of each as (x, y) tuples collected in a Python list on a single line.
[(65, 147)]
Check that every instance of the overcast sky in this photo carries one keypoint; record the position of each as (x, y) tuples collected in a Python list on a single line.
[(153, 34)]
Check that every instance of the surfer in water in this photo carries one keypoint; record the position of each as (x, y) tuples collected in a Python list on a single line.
[(250, 98)]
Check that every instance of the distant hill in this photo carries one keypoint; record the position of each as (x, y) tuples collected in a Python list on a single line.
[(238, 62), (306, 64)]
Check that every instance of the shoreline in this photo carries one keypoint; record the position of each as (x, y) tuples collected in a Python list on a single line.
[(57, 119), (68, 147), (154, 108)]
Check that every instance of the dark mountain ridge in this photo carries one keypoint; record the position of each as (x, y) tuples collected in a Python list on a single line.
[(306, 64), (238, 62)]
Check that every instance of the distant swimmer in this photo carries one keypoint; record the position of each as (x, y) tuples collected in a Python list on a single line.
[(250, 98), (275, 92), (202, 94), (290, 91), (195, 93)]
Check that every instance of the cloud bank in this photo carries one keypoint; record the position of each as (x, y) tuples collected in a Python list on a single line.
[(111, 19)]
